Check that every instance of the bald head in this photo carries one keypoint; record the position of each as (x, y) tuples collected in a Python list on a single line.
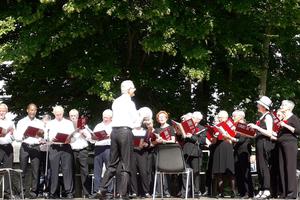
[(31, 110)]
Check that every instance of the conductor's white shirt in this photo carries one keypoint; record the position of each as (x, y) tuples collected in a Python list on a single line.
[(124, 112)]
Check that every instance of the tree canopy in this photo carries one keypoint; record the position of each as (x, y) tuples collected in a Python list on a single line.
[(179, 53)]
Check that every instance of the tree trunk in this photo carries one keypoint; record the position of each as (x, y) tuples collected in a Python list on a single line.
[(130, 46), (265, 64)]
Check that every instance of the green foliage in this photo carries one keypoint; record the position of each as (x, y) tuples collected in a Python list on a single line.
[(77, 52)]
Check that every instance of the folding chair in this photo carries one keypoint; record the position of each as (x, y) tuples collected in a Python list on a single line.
[(170, 160), (8, 172)]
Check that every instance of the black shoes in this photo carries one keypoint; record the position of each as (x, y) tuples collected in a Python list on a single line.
[(220, 195), (245, 196), (232, 194), (123, 197), (133, 196), (31, 195), (93, 196), (52, 196), (147, 195), (69, 196)]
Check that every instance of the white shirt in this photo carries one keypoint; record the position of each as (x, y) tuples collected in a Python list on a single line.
[(100, 127), (23, 124), (63, 126), (79, 141), (6, 124), (124, 112)]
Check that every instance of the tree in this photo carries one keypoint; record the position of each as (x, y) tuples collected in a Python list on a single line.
[(178, 53)]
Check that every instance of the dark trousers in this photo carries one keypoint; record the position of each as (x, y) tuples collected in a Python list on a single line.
[(6, 158), (288, 165), (120, 152), (31, 152), (151, 169), (195, 164), (243, 174), (81, 162), (274, 172), (101, 157), (139, 164), (45, 176), (263, 155), (61, 155), (208, 174)]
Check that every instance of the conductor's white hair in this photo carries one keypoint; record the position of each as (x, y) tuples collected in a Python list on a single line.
[(126, 85)]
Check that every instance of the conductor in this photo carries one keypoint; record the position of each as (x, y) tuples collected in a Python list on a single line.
[(125, 117)]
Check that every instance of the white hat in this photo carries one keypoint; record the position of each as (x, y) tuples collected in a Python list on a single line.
[(126, 85), (265, 102)]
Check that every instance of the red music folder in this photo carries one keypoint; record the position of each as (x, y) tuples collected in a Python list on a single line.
[(245, 130), (101, 135), (228, 126), (166, 134), (187, 126), (213, 132), (31, 131), (138, 136), (81, 122), (276, 122), (137, 141), (61, 137)]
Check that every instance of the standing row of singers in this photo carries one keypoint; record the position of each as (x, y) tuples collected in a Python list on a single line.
[(129, 147)]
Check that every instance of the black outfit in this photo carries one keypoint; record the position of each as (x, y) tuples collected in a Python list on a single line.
[(139, 164), (101, 157), (193, 157), (44, 180), (166, 178), (208, 173), (288, 158), (151, 161), (33, 152), (61, 155), (264, 147), (223, 166), (120, 152), (223, 160), (6, 160), (81, 157), (242, 152)]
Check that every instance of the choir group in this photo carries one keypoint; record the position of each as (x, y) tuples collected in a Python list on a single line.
[(125, 142)]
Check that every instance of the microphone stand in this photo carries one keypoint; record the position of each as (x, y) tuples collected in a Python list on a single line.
[(46, 181)]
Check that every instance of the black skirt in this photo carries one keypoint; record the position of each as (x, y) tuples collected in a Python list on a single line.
[(223, 159)]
